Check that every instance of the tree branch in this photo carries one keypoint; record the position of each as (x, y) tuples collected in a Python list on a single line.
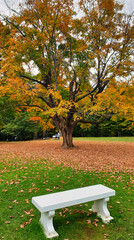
[(11, 9), (87, 94), (44, 100), (93, 121), (32, 79), (17, 27), (32, 106)]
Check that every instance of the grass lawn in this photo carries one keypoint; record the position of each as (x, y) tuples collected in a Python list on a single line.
[(110, 139), (20, 180)]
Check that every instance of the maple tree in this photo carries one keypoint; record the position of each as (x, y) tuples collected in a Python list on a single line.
[(83, 65)]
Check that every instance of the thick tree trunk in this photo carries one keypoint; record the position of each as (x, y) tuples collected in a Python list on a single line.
[(67, 132), (66, 127)]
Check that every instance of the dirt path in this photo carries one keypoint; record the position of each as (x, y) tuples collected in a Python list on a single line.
[(87, 155)]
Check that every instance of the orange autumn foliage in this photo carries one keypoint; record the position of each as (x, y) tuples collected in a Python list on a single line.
[(72, 69)]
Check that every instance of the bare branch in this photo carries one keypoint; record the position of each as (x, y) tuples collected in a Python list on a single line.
[(11, 9)]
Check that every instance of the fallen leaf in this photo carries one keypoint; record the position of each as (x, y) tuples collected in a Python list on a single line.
[(4, 190), (96, 220), (20, 191), (89, 213), (48, 190), (106, 235), (22, 226), (15, 201), (10, 207), (95, 224), (28, 212), (88, 221), (60, 213)]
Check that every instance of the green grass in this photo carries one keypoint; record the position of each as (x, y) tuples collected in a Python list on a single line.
[(19, 219), (119, 139)]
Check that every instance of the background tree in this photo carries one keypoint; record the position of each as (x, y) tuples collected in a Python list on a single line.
[(83, 66), (21, 128), (7, 112)]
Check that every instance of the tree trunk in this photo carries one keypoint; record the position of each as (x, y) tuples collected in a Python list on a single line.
[(35, 134), (67, 132), (66, 128)]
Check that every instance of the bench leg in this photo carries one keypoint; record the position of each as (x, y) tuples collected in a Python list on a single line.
[(100, 207), (47, 223)]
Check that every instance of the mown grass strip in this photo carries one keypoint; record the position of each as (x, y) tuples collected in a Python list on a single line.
[(110, 139)]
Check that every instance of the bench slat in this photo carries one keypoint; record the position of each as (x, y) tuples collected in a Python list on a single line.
[(53, 201)]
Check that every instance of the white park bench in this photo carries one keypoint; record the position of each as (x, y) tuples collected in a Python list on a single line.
[(47, 204)]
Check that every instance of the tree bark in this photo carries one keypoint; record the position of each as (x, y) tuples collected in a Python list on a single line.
[(67, 132), (66, 128)]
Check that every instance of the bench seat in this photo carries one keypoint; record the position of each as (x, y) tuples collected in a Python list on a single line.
[(47, 204)]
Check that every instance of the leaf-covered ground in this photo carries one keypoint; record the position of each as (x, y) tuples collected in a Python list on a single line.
[(26, 171), (87, 155)]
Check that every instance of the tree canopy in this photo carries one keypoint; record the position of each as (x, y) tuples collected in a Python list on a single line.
[(72, 69)]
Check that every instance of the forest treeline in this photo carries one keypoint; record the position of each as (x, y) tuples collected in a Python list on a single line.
[(22, 126)]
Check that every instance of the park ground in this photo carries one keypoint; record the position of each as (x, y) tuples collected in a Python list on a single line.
[(34, 168), (86, 155)]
